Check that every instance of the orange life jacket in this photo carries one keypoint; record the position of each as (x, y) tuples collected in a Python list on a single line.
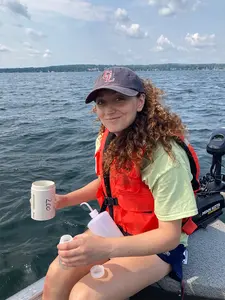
[(129, 200)]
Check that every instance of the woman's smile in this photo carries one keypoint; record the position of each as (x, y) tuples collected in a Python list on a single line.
[(112, 119)]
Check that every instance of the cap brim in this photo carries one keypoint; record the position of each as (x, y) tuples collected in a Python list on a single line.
[(125, 91)]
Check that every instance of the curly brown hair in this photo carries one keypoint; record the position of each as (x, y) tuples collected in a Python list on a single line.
[(154, 125)]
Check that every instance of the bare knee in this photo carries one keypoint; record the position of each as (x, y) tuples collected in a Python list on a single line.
[(52, 280), (57, 278), (58, 282), (54, 270), (82, 291)]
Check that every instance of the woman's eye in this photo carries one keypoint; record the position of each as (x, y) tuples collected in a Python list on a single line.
[(99, 102), (120, 99)]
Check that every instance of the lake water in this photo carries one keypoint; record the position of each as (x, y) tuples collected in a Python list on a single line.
[(48, 132)]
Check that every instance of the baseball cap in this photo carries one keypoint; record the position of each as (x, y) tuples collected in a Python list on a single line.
[(119, 79)]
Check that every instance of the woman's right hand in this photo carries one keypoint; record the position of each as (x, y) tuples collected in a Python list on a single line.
[(60, 201)]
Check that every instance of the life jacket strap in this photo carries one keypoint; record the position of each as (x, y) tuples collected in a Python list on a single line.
[(109, 201), (194, 182), (125, 233), (189, 226)]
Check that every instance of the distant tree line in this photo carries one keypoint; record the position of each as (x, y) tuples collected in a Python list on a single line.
[(94, 68)]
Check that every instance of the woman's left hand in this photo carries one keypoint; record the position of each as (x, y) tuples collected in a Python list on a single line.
[(84, 249)]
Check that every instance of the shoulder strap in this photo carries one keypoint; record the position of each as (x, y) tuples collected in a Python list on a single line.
[(109, 201), (109, 138), (194, 182)]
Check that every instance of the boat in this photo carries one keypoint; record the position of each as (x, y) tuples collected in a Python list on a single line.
[(204, 273)]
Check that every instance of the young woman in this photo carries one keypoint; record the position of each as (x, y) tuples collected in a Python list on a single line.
[(146, 182)]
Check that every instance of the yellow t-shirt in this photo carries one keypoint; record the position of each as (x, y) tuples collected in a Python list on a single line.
[(170, 184)]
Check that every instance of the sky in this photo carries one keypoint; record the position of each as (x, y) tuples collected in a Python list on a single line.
[(55, 32)]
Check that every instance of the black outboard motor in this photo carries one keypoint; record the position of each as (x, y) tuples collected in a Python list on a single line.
[(209, 201), (216, 147)]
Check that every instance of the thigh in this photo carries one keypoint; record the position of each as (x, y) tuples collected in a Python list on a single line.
[(61, 280), (124, 277)]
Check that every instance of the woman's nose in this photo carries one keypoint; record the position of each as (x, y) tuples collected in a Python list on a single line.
[(110, 108)]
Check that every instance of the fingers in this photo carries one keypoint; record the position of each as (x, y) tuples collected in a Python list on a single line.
[(76, 252), (69, 253), (70, 245), (57, 201), (60, 201), (70, 257), (77, 241), (73, 253), (74, 260), (73, 263)]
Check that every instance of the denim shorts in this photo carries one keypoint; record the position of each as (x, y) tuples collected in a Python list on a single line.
[(175, 259)]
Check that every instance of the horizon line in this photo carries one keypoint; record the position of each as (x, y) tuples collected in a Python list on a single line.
[(96, 65)]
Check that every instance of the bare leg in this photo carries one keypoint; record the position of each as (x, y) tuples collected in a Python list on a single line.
[(59, 282), (125, 276)]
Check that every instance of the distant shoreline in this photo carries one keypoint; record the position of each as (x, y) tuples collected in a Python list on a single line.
[(99, 68)]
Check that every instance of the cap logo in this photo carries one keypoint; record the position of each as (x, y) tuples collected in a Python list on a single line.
[(108, 76)]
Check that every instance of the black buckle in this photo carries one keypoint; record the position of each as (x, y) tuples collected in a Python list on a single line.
[(110, 201)]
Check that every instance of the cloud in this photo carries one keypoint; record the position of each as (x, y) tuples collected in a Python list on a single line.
[(173, 7), (133, 30), (125, 26), (164, 41), (47, 54), (17, 8), (158, 49), (121, 15), (34, 34), (77, 9), (196, 5), (31, 51), (5, 49), (197, 41), (194, 41), (181, 48), (163, 44)]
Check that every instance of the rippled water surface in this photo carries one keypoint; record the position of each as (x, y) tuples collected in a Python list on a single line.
[(48, 132)]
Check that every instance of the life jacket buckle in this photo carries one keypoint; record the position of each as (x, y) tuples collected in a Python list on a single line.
[(110, 201)]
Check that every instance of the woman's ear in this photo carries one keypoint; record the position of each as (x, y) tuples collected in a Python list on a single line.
[(94, 109), (141, 102)]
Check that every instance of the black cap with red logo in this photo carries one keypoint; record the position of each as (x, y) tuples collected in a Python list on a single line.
[(119, 79)]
